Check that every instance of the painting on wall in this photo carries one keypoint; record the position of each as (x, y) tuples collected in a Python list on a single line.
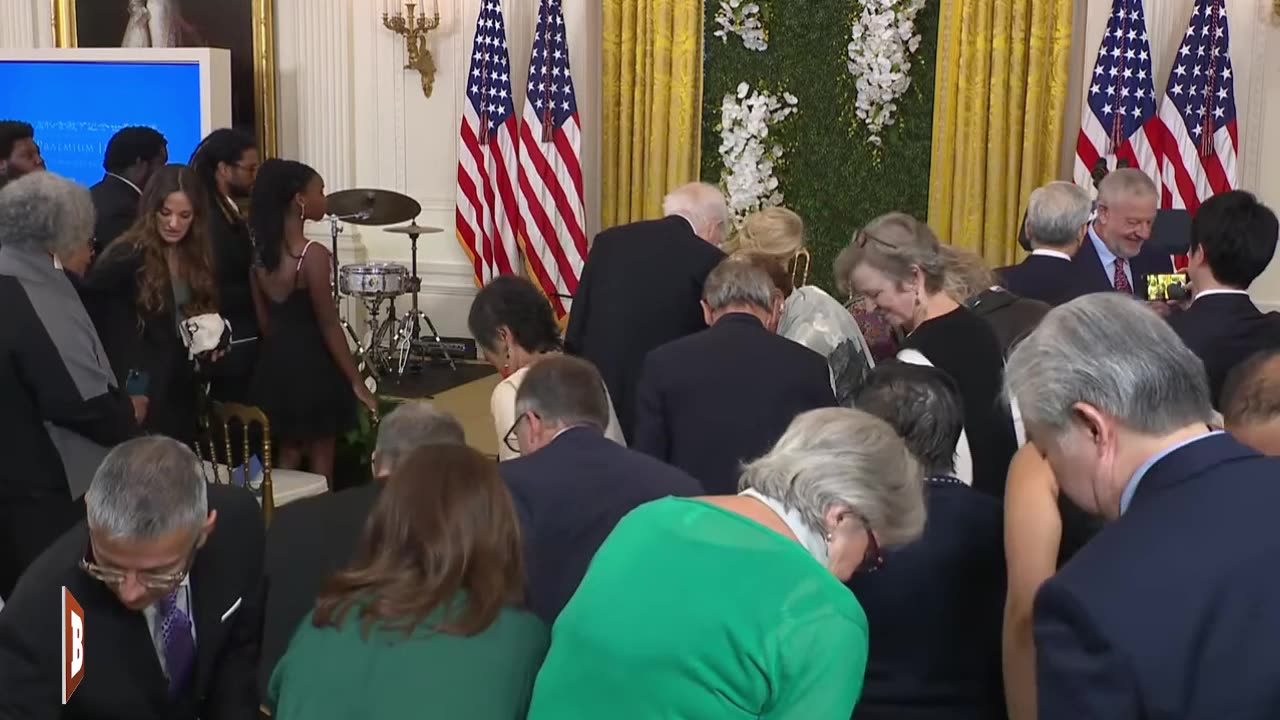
[(242, 26)]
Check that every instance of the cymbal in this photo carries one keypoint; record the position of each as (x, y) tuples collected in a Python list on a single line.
[(372, 207), (413, 228)]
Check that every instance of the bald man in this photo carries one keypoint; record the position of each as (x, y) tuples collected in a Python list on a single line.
[(1251, 402), (641, 287)]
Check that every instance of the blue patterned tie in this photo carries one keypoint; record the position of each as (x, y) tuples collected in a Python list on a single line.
[(179, 646)]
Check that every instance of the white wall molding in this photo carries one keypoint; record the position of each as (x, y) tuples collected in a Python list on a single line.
[(20, 24)]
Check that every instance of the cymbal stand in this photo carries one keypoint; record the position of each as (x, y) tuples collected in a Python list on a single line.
[(364, 363), (410, 323)]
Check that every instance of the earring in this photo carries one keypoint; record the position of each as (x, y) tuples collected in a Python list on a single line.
[(302, 209)]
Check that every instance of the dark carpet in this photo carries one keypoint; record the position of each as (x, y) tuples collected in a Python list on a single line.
[(431, 379)]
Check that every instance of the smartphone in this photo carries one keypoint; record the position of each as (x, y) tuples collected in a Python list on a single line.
[(137, 383)]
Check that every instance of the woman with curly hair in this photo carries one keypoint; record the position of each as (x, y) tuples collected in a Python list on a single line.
[(514, 326), (306, 381), (148, 281)]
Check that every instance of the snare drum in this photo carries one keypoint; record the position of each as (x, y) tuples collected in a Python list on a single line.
[(374, 280)]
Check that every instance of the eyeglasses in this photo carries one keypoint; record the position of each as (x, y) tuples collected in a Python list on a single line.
[(862, 237), (512, 439), (873, 558), (150, 580)]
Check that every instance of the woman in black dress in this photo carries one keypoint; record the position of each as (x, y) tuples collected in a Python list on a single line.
[(897, 262), (149, 280), (306, 380)]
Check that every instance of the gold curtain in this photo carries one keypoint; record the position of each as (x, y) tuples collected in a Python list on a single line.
[(999, 101), (652, 104)]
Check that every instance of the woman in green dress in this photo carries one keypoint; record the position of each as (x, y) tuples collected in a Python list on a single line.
[(425, 622), (733, 606)]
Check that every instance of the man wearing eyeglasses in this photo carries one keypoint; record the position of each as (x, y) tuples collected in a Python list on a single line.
[(172, 609)]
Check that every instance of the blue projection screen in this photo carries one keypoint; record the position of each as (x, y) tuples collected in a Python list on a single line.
[(76, 107)]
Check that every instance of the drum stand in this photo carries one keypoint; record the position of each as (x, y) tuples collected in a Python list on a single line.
[(362, 357), (410, 325)]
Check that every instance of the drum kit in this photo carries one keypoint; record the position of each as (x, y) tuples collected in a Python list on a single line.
[(392, 343)]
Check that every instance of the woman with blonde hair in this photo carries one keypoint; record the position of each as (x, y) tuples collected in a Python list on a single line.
[(972, 283), (898, 263), (808, 315)]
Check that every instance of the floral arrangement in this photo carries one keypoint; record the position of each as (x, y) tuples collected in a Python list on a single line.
[(736, 17), (883, 39), (747, 151)]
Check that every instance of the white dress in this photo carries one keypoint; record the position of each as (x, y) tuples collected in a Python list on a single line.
[(152, 23), (137, 33)]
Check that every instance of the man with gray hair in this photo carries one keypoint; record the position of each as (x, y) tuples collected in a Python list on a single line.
[(1174, 588), (1057, 216), (60, 405), (640, 286), (572, 484), (1116, 255), (712, 400), (167, 574), (313, 538)]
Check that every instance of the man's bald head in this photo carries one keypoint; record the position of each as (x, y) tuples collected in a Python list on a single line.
[(1251, 402)]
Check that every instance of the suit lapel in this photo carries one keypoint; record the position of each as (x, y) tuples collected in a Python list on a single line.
[(1094, 275), (125, 642)]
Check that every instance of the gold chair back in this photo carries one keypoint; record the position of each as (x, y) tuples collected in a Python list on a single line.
[(802, 259), (224, 417)]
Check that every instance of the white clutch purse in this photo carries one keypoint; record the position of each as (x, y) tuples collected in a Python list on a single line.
[(205, 333)]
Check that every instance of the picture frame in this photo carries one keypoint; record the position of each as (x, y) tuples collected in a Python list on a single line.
[(245, 27)]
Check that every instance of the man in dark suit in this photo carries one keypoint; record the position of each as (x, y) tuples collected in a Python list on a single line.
[(171, 606), (1161, 614), (1115, 254), (312, 539), (133, 155), (1251, 402), (1233, 238), (725, 395), (1057, 215), (640, 288), (935, 608), (572, 485)]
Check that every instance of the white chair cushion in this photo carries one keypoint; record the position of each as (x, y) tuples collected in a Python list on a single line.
[(286, 485)]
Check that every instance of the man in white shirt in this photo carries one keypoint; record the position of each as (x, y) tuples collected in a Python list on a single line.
[(1233, 239), (1057, 215)]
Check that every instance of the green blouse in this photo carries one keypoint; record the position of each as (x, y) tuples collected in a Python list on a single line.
[(336, 674), (691, 611)]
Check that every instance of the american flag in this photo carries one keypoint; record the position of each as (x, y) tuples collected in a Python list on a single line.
[(487, 213), (1119, 119), (552, 217), (1199, 113)]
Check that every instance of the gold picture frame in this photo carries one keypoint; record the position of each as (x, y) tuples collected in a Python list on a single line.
[(65, 35)]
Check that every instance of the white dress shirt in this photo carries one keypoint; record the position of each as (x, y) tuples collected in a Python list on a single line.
[(1051, 253), (155, 623)]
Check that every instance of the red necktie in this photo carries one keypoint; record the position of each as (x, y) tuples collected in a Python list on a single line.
[(1121, 281)]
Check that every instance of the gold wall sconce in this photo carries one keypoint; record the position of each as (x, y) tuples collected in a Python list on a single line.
[(414, 26)]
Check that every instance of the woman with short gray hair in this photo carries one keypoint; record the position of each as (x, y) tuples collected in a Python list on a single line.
[(899, 264), (62, 408), (733, 605)]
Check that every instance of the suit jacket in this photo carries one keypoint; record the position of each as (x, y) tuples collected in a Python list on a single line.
[(569, 496), (309, 540), (641, 287), (935, 611), (122, 674), (1091, 277), (1223, 330), (233, 258), (712, 400), (1167, 613), (116, 203), (1045, 278), (146, 342)]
